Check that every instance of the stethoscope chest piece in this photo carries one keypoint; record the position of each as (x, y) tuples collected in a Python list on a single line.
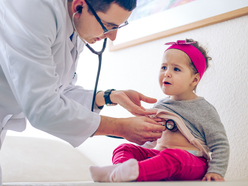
[(171, 125)]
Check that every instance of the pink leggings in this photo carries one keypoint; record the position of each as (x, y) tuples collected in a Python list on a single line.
[(168, 164)]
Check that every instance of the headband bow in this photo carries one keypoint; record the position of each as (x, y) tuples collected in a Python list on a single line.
[(180, 42), (194, 54)]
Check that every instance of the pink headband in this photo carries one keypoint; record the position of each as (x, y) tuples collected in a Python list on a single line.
[(194, 54)]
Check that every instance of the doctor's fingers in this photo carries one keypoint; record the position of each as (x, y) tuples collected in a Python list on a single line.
[(142, 128), (136, 110), (131, 100), (141, 111), (154, 136), (147, 99), (153, 129)]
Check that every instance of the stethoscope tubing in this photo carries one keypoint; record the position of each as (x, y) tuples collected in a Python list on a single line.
[(98, 53), (99, 69)]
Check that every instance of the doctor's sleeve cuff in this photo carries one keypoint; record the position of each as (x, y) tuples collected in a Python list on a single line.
[(95, 106), (91, 130)]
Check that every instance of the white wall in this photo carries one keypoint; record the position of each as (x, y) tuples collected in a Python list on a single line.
[(225, 85)]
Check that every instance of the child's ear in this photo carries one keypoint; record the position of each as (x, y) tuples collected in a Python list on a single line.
[(195, 80)]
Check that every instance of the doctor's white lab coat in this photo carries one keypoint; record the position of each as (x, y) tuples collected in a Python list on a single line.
[(37, 66)]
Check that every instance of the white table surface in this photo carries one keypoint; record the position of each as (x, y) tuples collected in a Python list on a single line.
[(189, 183)]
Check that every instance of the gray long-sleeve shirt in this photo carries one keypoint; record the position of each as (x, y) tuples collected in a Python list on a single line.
[(204, 123)]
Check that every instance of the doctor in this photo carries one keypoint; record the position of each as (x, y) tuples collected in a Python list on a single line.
[(38, 58)]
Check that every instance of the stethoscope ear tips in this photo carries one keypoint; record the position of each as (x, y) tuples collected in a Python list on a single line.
[(79, 9), (171, 125)]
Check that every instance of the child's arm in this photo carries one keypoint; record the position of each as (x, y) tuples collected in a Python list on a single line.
[(217, 142), (212, 176)]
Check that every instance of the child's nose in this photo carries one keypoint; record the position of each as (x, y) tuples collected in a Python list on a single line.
[(167, 73)]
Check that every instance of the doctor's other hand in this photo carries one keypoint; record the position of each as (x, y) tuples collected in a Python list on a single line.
[(131, 100), (138, 129)]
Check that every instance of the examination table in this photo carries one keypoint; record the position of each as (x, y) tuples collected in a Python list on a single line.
[(28, 161)]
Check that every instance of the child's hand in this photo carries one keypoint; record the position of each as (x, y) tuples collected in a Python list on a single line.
[(212, 177)]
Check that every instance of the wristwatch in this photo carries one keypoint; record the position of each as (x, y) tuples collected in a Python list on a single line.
[(106, 96)]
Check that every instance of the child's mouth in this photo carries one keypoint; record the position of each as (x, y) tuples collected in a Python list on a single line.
[(166, 83)]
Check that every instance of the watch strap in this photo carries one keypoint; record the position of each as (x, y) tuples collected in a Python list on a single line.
[(107, 97)]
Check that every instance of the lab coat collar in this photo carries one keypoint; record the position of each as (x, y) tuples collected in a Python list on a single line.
[(69, 27)]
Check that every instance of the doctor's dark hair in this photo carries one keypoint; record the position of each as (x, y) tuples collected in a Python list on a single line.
[(103, 5)]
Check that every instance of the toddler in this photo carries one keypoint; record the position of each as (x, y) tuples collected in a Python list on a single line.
[(194, 145)]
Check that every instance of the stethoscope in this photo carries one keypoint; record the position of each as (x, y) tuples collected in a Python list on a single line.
[(171, 125), (99, 53)]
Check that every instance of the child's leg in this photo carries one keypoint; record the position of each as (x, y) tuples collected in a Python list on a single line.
[(127, 171), (172, 164), (126, 166), (101, 174), (129, 151)]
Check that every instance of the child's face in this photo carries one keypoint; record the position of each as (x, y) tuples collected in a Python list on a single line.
[(176, 78)]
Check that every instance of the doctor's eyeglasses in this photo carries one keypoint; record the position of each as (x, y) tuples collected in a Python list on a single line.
[(105, 30)]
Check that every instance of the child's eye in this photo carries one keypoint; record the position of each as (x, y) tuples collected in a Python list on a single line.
[(177, 69), (163, 68)]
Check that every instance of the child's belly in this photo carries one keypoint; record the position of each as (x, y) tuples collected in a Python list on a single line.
[(174, 140)]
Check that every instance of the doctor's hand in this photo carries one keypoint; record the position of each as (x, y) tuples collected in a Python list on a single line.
[(131, 100), (138, 129)]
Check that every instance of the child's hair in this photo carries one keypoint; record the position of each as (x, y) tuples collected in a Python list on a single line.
[(204, 53)]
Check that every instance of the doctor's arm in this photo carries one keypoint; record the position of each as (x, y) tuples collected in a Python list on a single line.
[(138, 129), (128, 99), (135, 129)]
